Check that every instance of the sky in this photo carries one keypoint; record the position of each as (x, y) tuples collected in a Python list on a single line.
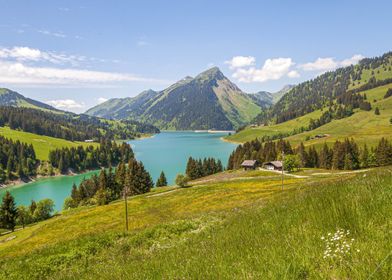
[(77, 54)]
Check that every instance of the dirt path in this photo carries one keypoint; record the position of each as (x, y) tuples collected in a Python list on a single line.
[(162, 193)]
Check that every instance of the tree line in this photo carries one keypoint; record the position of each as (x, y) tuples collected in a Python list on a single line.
[(197, 168), (11, 216), (84, 158), (345, 154), (70, 126), (130, 179), (17, 160)]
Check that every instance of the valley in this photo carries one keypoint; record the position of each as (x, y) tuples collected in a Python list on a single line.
[(201, 179)]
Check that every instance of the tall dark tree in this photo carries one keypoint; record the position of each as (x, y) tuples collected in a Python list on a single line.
[(162, 181), (8, 212)]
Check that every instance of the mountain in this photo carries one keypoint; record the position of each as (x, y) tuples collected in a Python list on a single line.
[(263, 98), (208, 101), (14, 99), (28, 115), (276, 96), (266, 99)]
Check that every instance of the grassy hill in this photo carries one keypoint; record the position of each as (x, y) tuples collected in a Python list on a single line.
[(42, 144), (363, 126), (231, 225), (251, 133)]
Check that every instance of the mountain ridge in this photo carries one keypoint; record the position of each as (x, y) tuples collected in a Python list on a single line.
[(12, 98), (207, 101)]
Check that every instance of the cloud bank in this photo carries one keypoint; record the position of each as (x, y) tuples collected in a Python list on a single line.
[(244, 69), (18, 65)]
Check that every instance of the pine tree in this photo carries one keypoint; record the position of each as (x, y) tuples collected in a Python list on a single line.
[(32, 207), (75, 194), (8, 212), (102, 180), (161, 182), (365, 157)]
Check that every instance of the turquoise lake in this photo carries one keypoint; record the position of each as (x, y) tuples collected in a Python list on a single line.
[(167, 151)]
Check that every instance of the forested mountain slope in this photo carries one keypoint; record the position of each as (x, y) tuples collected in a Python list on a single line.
[(208, 101), (340, 86)]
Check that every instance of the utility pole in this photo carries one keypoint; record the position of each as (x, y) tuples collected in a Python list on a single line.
[(282, 168), (126, 207)]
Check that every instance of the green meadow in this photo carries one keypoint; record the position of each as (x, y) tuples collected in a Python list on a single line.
[(363, 126), (240, 227), (42, 144)]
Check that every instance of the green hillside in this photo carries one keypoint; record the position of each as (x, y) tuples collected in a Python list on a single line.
[(232, 227), (208, 101), (12, 98), (42, 144), (363, 126), (251, 133)]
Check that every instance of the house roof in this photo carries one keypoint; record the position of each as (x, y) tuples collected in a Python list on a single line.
[(276, 163), (249, 163)]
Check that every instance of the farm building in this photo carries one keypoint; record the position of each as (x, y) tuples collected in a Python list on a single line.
[(249, 164), (273, 165)]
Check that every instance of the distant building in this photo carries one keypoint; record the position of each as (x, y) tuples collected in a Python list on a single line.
[(273, 165), (88, 141), (249, 164)]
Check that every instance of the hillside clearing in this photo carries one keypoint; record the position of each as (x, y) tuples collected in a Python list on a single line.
[(42, 144), (362, 126)]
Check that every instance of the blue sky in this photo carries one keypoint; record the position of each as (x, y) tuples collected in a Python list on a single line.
[(75, 54)]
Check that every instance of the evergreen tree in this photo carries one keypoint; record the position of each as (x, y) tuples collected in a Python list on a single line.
[(75, 194), (32, 207), (8, 212), (365, 162), (161, 182)]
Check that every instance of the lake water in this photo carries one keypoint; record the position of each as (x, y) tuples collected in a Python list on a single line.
[(167, 151)]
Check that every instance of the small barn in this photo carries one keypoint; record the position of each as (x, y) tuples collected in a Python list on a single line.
[(249, 164), (273, 165)]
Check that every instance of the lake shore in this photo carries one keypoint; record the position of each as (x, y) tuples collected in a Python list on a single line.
[(230, 141), (20, 182)]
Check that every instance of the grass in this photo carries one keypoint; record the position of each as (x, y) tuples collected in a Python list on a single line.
[(250, 133), (364, 127), (42, 144), (241, 229)]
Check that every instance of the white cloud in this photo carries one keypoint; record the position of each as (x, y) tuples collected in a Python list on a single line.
[(241, 61), (321, 64), (352, 61), (293, 74), (273, 69), (66, 104), (19, 73), (54, 34), (329, 63), (102, 99), (21, 53), (30, 54)]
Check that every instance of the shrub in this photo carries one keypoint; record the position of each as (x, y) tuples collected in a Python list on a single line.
[(181, 180)]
